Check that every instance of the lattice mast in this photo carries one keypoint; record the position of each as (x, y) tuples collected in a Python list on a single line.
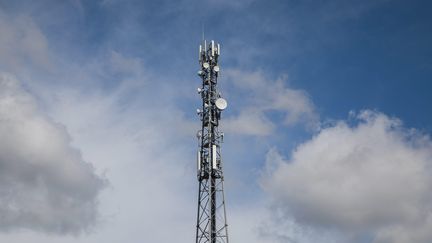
[(211, 219)]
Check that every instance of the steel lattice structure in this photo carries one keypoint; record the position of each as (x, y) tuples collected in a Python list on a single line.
[(211, 218)]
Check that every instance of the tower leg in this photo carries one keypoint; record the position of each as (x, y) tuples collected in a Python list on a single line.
[(213, 210), (198, 214)]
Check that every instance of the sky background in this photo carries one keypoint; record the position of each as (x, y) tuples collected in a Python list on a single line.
[(327, 130)]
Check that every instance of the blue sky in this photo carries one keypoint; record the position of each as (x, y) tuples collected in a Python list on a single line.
[(333, 50), (110, 86)]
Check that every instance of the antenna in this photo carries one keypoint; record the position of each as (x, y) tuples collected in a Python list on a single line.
[(211, 225), (202, 29)]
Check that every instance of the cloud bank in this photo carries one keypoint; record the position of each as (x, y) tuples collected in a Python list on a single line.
[(44, 183), (370, 179)]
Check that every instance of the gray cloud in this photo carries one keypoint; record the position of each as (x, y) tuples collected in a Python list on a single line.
[(44, 183), (373, 178), (22, 43)]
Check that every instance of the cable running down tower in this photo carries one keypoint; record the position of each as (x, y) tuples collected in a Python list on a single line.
[(211, 218)]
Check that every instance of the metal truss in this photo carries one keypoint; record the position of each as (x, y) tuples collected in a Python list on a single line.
[(211, 225)]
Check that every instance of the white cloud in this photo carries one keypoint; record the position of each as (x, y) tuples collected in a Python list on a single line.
[(44, 183), (260, 96), (373, 178), (145, 146), (249, 121), (148, 147)]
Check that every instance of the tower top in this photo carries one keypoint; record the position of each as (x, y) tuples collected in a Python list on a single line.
[(208, 51)]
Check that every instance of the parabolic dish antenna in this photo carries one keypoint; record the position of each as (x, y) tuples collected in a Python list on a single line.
[(221, 104), (216, 68), (206, 65)]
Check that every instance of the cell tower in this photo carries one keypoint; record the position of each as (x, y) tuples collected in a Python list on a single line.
[(211, 219)]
